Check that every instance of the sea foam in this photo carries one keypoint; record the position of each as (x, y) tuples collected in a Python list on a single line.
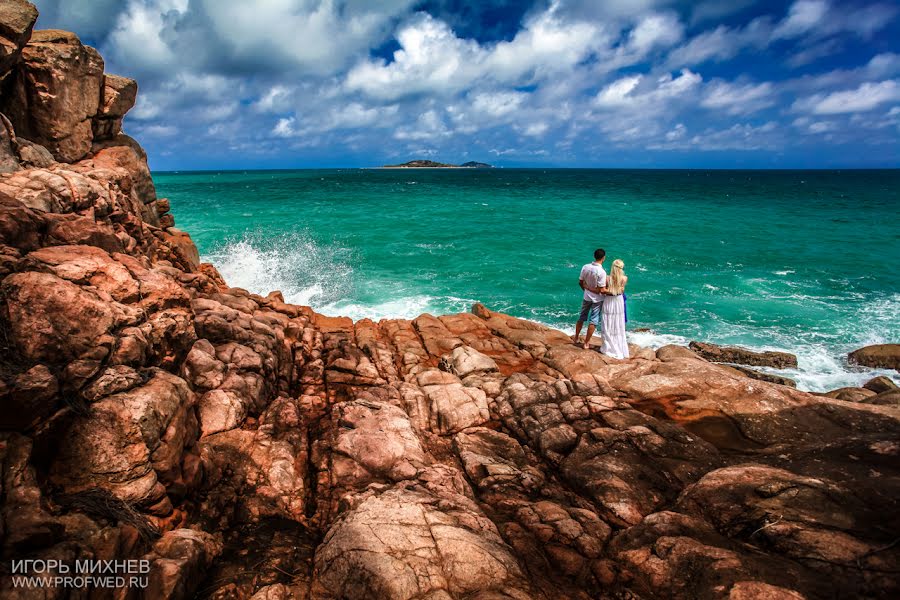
[(306, 273)]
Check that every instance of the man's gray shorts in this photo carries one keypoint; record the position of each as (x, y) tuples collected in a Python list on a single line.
[(590, 312)]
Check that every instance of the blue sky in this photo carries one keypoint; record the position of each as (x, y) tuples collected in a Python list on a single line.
[(583, 83)]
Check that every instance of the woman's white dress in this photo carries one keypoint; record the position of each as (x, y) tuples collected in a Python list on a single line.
[(613, 331)]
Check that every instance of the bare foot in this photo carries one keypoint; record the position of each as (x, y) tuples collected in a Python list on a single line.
[(574, 340), (586, 346)]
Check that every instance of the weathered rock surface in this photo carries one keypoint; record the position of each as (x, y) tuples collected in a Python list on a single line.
[(742, 356), (248, 448), (17, 19), (885, 356)]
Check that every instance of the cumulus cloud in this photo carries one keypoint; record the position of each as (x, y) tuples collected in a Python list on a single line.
[(450, 78), (432, 59), (863, 98)]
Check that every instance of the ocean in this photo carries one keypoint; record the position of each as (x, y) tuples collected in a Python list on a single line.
[(802, 261)]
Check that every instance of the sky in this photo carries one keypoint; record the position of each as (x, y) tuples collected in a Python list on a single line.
[(237, 84)]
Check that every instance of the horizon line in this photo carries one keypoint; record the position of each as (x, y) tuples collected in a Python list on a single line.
[(531, 168)]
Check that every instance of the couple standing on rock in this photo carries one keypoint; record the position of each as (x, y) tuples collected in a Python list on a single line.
[(604, 298)]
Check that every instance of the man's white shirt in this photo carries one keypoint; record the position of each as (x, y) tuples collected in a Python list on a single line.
[(593, 276)]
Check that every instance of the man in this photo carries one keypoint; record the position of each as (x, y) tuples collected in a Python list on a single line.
[(593, 281)]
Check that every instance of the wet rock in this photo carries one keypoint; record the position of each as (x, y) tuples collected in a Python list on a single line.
[(879, 356), (742, 356), (763, 376)]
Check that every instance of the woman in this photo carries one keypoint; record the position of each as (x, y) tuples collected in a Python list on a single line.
[(613, 332)]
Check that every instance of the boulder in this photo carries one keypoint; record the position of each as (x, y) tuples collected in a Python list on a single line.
[(879, 356), (850, 394), (466, 360), (17, 19), (33, 155), (416, 542), (178, 561), (117, 98), (888, 398), (881, 384), (56, 93), (51, 319), (742, 356)]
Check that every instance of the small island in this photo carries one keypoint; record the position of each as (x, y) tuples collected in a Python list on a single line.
[(430, 164)]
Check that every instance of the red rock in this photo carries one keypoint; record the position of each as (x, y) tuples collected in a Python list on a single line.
[(30, 398), (117, 98), (881, 384), (885, 356), (17, 19), (53, 320), (56, 93), (471, 455), (742, 356)]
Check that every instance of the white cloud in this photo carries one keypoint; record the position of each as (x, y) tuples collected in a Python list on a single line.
[(736, 98), (284, 127), (428, 126), (498, 104), (655, 31), (678, 132), (740, 136), (626, 92), (803, 16), (721, 43), (432, 59), (863, 98), (536, 129)]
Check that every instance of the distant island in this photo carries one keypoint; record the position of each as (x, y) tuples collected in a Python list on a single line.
[(430, 164)]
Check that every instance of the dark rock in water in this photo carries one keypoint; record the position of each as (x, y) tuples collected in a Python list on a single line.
[(476, 165), (742, 356), (879, 356), (881, 384), (762, 376)]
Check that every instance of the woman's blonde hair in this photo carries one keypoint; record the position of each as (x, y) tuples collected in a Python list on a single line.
[(616, 283)]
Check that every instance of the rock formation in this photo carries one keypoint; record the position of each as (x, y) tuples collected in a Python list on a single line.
[(246, 447), (886, 356)]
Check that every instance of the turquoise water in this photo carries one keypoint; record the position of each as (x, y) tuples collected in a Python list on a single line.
[(803, 261)]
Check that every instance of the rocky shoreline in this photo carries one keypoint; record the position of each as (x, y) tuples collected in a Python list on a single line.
[(248, 448)]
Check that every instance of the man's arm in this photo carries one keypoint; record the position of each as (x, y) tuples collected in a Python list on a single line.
[(581, 283), (602, 289)]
